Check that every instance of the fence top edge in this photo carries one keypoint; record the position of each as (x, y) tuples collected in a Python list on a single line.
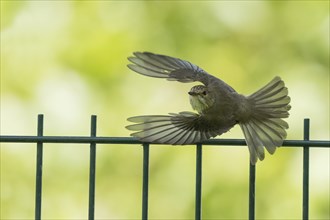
[(132, 140)]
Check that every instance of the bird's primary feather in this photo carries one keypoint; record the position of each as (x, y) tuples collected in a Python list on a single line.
[(173, 69), (178, 129)]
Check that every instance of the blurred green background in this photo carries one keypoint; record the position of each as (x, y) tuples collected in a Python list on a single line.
[(67, 60)]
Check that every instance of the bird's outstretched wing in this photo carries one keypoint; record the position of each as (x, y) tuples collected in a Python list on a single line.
[(170, 68), (176, 129)]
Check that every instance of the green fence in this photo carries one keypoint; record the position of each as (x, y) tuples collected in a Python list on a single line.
[(93, 140)]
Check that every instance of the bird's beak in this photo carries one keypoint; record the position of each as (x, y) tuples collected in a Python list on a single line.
[(192, 93)]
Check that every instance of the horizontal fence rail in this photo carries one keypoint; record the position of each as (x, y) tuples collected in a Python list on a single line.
[(93, 140), (132, 140)]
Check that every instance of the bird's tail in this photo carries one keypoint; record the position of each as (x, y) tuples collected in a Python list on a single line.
[(265, 127)]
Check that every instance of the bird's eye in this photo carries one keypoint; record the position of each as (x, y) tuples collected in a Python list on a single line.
[(204, 92)]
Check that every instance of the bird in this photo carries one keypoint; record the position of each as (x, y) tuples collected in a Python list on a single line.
[(219, 108)]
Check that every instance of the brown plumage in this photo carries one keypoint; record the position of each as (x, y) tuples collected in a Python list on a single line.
[(218, 105)]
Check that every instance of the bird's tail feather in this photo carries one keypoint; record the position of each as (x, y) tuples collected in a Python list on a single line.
[(266, 128)]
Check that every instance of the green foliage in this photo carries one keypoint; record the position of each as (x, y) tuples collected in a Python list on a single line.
[(67, 60)]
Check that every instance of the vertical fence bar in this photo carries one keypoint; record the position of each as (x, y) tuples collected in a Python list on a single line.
[(198, 201), (92, 165), (39, 168), (145, 181), (306, 171), (252, 187)]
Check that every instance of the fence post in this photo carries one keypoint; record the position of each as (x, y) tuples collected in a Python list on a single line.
[(306, 171), (145, 181), (92, 165), (198, 202), (252, 186), (39, 168)]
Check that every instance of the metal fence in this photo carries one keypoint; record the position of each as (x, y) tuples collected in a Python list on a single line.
[(93, 140)]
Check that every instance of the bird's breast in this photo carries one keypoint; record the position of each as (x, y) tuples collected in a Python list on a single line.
[(200, 103)]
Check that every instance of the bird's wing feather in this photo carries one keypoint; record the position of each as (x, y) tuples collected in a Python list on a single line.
[(170, 68), (177, 129)]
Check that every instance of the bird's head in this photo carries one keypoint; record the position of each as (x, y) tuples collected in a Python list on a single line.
[(201, 98)]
